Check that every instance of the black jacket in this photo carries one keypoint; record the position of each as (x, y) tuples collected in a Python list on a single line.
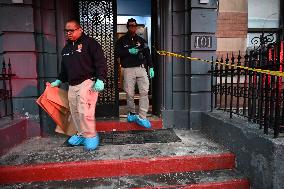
[(128, 60), (81, 60)]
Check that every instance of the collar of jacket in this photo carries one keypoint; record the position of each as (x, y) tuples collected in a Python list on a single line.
[(80, 39), (130, 36)]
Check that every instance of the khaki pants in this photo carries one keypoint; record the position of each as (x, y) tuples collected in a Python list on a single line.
[(131, 76), (82, 102)]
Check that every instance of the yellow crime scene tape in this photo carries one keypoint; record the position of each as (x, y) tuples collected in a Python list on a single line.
[(275, 73)]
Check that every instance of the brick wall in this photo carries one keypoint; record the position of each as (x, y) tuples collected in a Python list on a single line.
[(232, 25)]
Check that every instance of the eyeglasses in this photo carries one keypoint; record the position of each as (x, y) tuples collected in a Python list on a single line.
[(70, 30)]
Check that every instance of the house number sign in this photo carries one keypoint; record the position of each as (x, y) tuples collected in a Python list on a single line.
[(203, 41)]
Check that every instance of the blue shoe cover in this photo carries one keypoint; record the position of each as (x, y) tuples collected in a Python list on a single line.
[(76, 140), (91, 143), (131, 117), (143, 122)]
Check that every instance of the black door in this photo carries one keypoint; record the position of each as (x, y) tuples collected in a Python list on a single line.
[(98, 19)]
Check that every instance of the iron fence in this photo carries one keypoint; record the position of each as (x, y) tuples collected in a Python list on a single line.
[(246, 92), (6, 103)]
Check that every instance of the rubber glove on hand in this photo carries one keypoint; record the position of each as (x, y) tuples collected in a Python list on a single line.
[(133, 51), (151, 73), (56, 83), (99, 85)]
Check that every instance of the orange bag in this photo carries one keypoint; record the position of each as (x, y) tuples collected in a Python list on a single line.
[(55, 102)]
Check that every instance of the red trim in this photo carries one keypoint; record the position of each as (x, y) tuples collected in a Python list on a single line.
[(110, 168), (106, 126), (230, 184)]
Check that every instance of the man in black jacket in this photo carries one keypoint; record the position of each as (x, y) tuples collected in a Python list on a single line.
[(84, 67), (135, 57)]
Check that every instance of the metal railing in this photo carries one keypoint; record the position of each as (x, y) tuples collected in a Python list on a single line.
[(246, 92), (6, 103)]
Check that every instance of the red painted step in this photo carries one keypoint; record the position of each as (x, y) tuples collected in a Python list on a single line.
[(106, 126), (216, 179), (229, 184), (111, 168)]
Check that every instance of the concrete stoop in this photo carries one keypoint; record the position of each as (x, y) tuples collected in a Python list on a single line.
[(12, 133), (217, 179), (194, 162), (259, 156)]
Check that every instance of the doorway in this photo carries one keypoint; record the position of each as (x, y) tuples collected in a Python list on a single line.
[(106, 22), (140, 10)]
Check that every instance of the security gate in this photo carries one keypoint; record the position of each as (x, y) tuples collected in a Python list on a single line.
[(98, 20)]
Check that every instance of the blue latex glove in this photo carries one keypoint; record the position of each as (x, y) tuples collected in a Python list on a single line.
[(99, 85), (133, 51), (56, 83), (151, 73)]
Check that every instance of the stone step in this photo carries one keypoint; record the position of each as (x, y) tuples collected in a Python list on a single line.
[(12, 132), (217, 179), (18, 130), (123, 125), (46, 159)]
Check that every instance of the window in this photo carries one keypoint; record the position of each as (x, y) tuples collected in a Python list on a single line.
[(263, 16)]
